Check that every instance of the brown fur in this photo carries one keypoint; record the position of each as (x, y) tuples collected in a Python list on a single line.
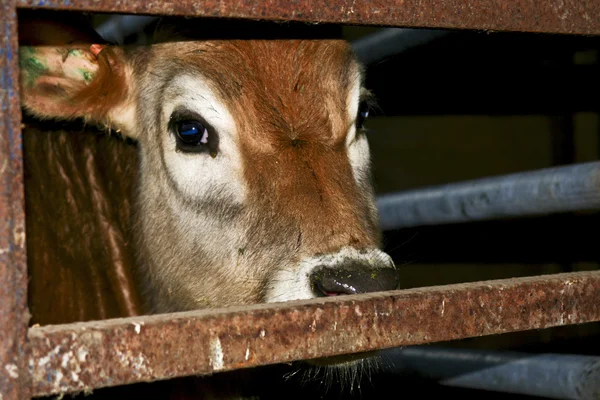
[(292, 116), (79, 247), (294, 143)]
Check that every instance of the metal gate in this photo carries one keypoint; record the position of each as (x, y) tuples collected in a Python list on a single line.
[(77, 357)]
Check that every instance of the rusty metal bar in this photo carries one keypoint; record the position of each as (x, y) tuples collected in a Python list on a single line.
[(81, 356), (552, 16), (14, 376), (546, 191)]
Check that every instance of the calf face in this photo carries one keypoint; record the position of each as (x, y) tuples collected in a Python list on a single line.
[(254, 182)]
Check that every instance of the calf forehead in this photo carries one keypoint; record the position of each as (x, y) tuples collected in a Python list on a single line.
[(283, 86)]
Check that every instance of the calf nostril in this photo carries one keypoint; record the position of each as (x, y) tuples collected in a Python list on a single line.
[(354, 279)]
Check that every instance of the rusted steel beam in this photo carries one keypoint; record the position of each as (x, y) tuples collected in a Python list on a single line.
[(82, 356), (555, 16), (14, 376)]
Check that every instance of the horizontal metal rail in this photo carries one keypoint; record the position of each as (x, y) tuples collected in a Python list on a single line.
[(77, 357), (369, 49), (546, 191), (552, 16), (388, 42), (555, 376)]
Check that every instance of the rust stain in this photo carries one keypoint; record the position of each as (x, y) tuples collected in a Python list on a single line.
[(552, 16), (77, 357), (14, 376)]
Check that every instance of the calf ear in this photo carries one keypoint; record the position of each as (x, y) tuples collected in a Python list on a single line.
[(76, 79)]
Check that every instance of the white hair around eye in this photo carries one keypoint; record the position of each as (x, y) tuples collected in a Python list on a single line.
[(193, 172)]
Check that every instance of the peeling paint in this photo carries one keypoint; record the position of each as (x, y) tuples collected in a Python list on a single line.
[(58, 378), (135, 362), (65, 359), (46, 359), (443, 306), (216, 354), (357, 310), (137, 327), (13, 370), (82, 354)]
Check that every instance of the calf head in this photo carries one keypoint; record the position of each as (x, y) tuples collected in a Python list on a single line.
[(254, 181)]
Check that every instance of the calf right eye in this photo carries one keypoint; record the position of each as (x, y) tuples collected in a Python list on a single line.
[(193, 134)]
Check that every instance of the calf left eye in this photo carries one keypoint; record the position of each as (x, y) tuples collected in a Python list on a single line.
[(363, 113)]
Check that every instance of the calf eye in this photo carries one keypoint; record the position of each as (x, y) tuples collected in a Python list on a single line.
[(363, 113), (193, 134)]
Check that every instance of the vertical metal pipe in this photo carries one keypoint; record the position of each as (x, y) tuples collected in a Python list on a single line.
[(14, 371)]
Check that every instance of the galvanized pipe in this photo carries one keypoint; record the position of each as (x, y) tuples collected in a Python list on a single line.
[(116, 28), (387, 42), (369, 49), (556, 376), (545, 191)]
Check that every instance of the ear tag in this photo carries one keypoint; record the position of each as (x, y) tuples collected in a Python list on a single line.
[(97, 48)]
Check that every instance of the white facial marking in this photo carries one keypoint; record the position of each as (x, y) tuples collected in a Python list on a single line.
[(358, 148), (293, 283), (352, 103), (198, 174), (199, 179)]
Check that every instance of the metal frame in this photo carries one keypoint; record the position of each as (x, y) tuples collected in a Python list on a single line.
[(75, 357), (141, 349), (553, 376), (531, 193)]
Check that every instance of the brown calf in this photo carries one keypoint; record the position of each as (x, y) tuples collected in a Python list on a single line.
[(254, 169)]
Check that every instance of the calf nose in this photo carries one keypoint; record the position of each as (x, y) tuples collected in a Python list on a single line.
[(352, 279)]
